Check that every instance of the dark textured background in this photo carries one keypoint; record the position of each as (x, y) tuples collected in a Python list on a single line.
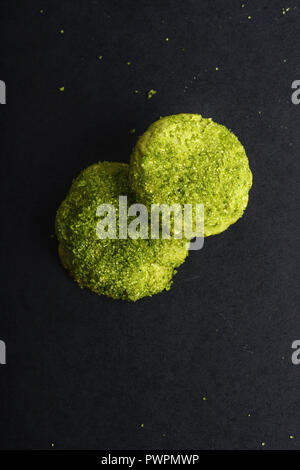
[(85, 371)]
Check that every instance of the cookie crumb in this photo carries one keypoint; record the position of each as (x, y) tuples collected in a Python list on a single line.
[(151, 93)]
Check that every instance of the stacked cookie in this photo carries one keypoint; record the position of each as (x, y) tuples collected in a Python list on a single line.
[(181, 159)]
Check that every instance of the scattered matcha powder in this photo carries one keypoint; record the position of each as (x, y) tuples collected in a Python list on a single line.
[(167, 39), (100, 57), (142, 425), (62, 88), (62, 31), (263, 444), (217, 68), (291, 437), (52, 444), (151, 93), (41, 12), (243, 6), (132, 131), (204, 398), (136, 91), (128, 63), (249, 17)]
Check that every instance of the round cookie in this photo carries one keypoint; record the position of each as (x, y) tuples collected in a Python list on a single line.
[(187, 159), (119, 268)]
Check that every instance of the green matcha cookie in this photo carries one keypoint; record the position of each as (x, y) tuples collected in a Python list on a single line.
[(119, 268), (187, 159)]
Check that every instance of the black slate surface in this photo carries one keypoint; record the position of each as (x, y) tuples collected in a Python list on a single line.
[(85, 372)]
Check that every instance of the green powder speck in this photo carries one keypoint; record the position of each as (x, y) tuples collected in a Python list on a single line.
[(136, 91), (263, 444), (132, 131), (142, 425), (100, 57), (249, 17), (167, 39), (62, 31), (151, 93), (291, 437), (204, 398), (62, 88), (128, 63), (41, 12)]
